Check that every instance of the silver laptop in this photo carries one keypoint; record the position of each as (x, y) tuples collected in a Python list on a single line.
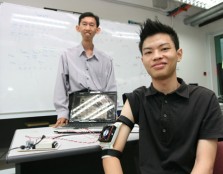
[(91, 110)]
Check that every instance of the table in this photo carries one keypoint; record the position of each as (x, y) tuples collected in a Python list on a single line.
[(77, 153)]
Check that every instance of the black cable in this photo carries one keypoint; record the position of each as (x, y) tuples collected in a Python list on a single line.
[(4, 153), (33, 145)]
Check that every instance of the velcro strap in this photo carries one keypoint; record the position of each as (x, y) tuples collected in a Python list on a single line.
[(126, 121), (111, 152)]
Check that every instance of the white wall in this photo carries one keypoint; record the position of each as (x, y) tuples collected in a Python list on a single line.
[(193, 40)]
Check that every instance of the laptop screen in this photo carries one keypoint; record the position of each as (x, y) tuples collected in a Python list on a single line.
[(93, 106)]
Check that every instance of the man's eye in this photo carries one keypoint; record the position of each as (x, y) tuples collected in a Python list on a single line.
[(165, 49), (147, 52)]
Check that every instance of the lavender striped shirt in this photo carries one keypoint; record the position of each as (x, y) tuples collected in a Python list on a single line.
[(77, 72)]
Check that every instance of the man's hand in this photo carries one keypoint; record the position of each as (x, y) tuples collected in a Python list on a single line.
[(61, 122)]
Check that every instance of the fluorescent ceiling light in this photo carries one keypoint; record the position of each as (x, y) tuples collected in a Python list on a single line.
[(202, 3)]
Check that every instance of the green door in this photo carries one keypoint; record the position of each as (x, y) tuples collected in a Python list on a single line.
[(219, 62)]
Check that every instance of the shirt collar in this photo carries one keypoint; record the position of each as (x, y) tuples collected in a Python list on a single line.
[(182, 91), (81, 51)]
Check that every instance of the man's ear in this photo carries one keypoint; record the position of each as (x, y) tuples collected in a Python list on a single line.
[(98, 30), (77, 28), (179, 54)]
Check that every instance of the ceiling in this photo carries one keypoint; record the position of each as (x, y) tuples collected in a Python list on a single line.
[(193, 16)]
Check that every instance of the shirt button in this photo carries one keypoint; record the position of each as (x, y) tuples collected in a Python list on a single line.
[(87, 69), (165, 101), (164, 115), (164, 130)]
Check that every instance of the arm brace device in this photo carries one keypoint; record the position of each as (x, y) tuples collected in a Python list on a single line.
[(109, 134)]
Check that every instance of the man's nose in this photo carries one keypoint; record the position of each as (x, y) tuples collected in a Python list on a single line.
[(87, 26), (157, 55)]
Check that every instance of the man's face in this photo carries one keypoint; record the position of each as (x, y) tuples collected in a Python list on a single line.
[(160, 57), (88, 28)]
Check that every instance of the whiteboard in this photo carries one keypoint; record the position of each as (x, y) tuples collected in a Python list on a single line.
[(31, 42)]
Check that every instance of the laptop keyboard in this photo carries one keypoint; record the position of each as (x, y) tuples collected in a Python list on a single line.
[(85, 125)]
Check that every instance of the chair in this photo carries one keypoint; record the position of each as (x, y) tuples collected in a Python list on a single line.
[(218, 166)]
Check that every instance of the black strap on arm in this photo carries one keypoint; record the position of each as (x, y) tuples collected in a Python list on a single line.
[(126, 121), (111, 152)]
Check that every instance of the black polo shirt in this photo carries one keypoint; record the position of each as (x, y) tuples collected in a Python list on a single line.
[(171, 125)]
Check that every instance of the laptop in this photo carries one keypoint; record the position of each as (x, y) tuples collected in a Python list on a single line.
[(90, 111)]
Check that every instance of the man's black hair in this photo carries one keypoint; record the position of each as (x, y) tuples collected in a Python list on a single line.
[(150, 28), (89, 14)]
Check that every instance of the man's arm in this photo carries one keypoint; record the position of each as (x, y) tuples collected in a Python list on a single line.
[(112, 165), (111, 82), (205, 157), (61, 92)]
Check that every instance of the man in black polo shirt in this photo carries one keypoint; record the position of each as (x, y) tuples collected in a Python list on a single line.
[(179, 124)]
